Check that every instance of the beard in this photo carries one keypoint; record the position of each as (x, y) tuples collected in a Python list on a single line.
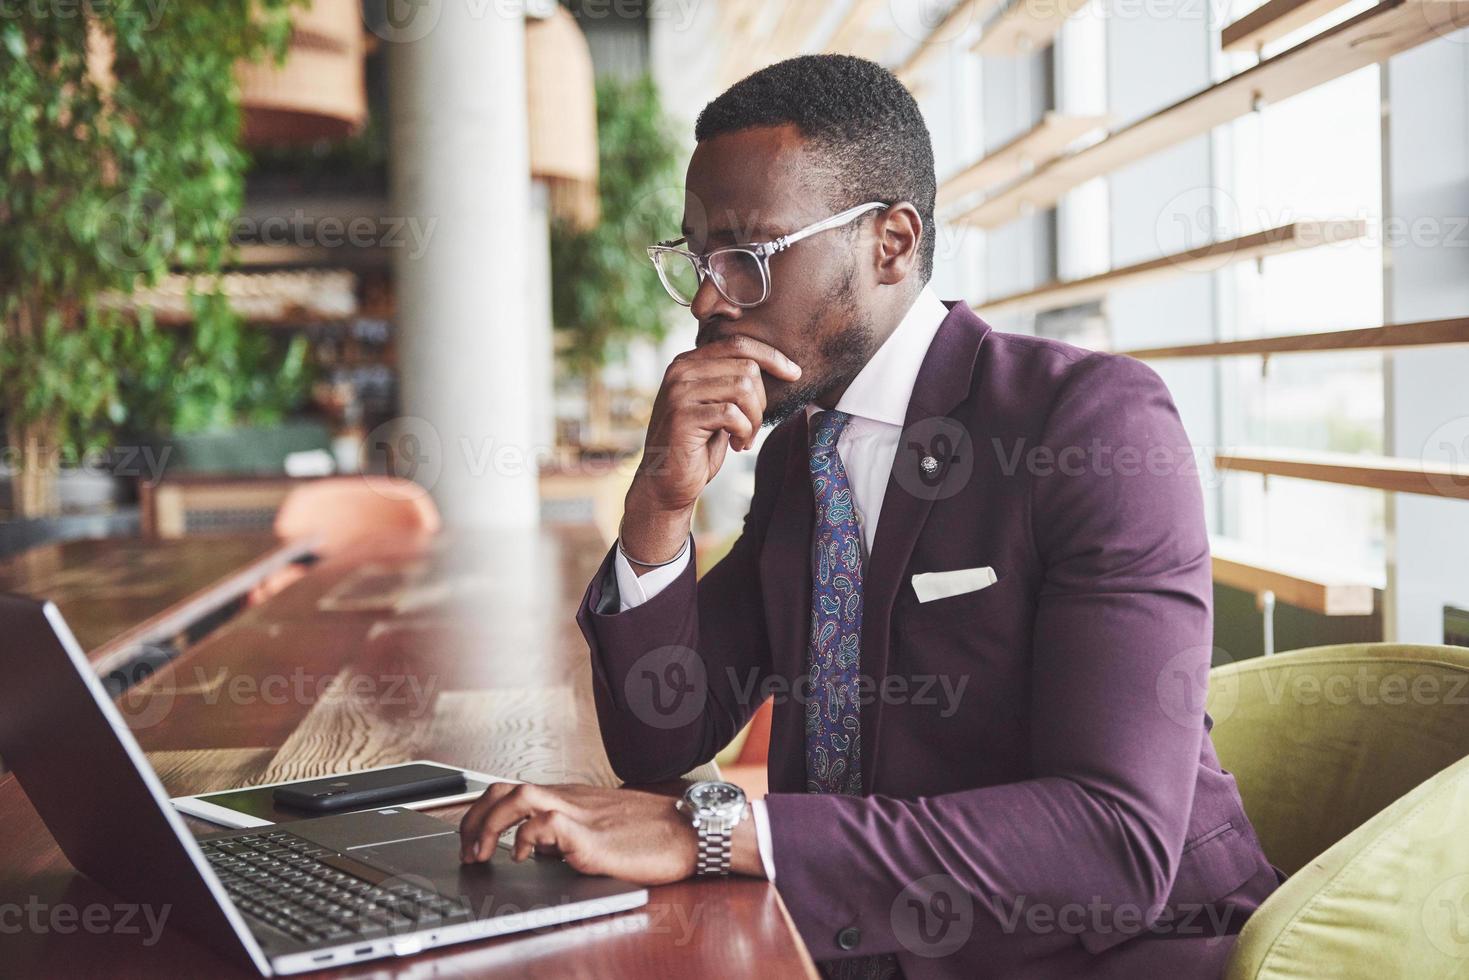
[(842, 354)]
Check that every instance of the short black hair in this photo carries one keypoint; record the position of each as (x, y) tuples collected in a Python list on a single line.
[(857, 117)]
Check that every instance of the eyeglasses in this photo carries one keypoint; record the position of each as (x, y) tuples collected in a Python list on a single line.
[(741, 273)]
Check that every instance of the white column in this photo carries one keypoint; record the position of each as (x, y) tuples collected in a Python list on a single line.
[(459, 165), (539, 329)]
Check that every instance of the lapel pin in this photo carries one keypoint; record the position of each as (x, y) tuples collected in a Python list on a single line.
[(928, 465)]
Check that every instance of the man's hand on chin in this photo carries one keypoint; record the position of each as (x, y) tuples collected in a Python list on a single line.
[(623, 833)]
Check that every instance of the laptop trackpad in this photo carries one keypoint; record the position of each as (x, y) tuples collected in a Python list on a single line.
[(494, 887)]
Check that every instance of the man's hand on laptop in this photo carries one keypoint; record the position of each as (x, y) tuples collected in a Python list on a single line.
[(627, 834), (712, 398)]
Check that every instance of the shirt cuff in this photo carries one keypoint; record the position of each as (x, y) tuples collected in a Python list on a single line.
[(634, 590), (762, 837)]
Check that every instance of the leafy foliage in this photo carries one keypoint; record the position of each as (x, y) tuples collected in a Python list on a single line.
[(120, 125), (603, 288)]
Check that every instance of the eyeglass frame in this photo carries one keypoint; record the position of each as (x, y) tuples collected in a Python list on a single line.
[(762, 251)]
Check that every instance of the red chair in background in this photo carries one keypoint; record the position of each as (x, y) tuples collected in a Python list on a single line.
[(339, 511)]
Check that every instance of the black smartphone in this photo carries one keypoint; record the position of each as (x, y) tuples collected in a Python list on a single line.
[(364, 789)]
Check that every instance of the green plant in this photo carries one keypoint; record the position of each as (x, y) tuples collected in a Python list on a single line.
[(604, 290), (120, 122)]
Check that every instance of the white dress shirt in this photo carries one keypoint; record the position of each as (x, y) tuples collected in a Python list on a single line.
[(877, 399)]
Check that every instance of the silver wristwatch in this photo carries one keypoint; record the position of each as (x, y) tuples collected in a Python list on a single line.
[(715, 809)]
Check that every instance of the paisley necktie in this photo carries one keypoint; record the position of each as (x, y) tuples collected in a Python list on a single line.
[(833, 725), (833, 736)]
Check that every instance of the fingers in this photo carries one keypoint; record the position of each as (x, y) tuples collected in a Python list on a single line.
[(471, 827), (501, 807), (740, 346), (712, 418), (745, 391), (728, 370), (552, 832)]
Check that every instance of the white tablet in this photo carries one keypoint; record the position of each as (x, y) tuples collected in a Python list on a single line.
[(254, 806)]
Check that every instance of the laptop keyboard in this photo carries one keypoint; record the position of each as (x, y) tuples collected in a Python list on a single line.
[(302, 889)]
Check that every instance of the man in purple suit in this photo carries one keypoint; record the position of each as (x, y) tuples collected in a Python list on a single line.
[(974, 578)]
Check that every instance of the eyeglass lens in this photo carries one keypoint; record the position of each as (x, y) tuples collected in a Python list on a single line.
[(737, 274)]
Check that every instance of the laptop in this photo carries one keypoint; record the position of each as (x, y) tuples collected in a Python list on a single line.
[(288, 898)]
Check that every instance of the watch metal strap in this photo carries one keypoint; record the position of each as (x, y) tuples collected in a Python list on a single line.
[(715, 851)]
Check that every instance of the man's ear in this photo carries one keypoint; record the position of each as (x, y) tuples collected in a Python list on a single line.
[(898, 231)]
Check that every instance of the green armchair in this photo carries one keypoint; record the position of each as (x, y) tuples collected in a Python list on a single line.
[(1352, 764)]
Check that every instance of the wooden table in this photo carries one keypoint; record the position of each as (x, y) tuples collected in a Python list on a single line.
[(459, 648), (120, 593)]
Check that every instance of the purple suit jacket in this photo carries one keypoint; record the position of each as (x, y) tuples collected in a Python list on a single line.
[(1043, 796)]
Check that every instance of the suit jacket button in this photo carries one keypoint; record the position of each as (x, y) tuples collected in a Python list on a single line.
[(849, 937)]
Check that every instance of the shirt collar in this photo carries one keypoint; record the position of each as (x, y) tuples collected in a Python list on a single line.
[(882, 389)]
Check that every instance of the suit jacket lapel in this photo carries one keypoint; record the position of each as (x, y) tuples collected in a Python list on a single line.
[(944, 380)]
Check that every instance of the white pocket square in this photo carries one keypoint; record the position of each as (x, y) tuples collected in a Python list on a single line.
[(929, 586)]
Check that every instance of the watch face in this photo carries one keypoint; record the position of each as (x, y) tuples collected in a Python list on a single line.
[(716, 796)]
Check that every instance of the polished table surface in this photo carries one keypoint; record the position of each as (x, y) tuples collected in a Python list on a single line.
[(119, 592), (459, 648)]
